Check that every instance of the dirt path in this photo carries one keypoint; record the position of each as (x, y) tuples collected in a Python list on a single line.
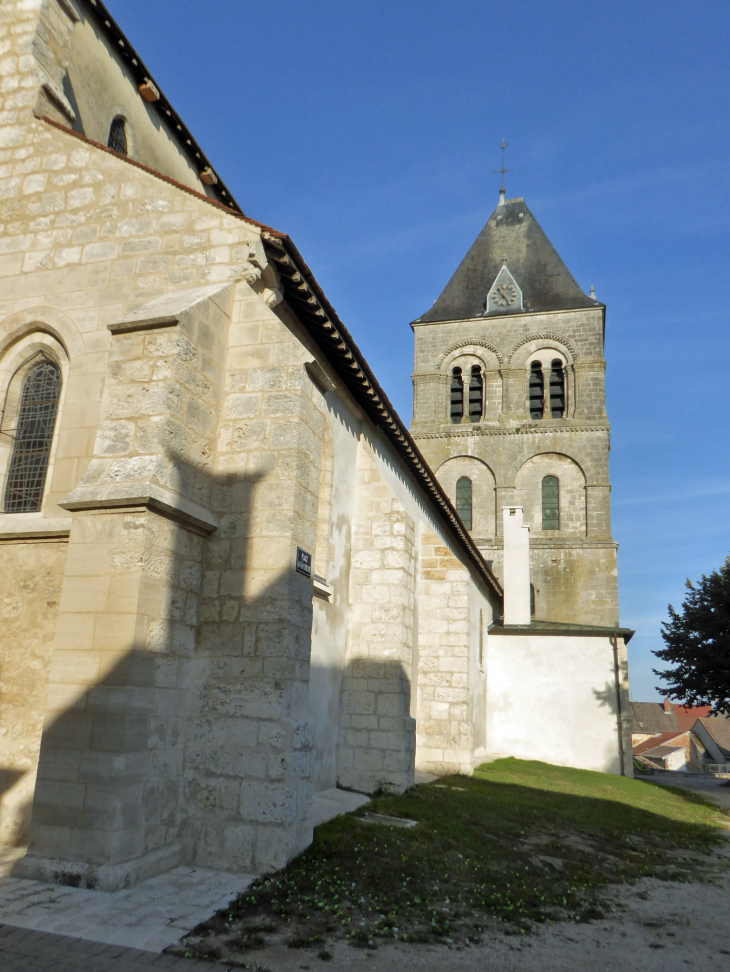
[(654, 925)]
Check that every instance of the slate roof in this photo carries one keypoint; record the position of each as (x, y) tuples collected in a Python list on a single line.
[(512, 234), (651, 717), (718, 728), (559, 628)]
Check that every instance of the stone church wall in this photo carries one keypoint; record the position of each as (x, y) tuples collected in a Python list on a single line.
[(30, 589)]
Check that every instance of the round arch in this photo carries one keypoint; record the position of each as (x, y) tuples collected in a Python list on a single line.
[(571, 487), (521, 352), (484, 494)]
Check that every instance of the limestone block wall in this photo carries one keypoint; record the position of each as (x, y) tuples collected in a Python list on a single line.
[(247, 770), (377, 733), (30, 590), (451, 680), (108, 789)]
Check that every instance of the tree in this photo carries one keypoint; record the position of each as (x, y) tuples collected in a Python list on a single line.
[(697, 643)]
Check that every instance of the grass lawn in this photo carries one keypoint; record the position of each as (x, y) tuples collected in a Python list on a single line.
[(519, 842)]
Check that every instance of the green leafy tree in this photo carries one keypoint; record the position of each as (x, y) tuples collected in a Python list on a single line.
[(697, 640)]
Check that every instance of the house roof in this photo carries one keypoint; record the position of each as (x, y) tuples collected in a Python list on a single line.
[(651, 717), (687, 715), (718, 729), (512, 236), (649, 745)]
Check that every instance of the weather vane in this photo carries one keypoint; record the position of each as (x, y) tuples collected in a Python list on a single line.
[(502, 171)]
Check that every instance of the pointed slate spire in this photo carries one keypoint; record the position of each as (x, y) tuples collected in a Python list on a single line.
[(512, 238)]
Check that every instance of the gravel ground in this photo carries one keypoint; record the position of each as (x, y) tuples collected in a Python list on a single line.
[(654, 925)]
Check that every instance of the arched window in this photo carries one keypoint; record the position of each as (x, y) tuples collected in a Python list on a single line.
[(463, 500), (476, 394), (550, 503), (457, 395), (557, 389), (537, 391), (118, 136), (33, 437)]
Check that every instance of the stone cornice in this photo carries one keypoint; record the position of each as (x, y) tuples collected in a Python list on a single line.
[(461, 431), (142, 495), (488, 544), (33, 526)]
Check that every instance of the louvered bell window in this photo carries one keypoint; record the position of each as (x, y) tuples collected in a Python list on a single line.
[(550, 503), (557, 389), (536, 391), (463, 500), (457, 396), (118, 136), (476, 394), (33, 438)]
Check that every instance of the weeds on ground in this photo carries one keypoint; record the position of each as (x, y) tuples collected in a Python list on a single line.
[(516, 844)]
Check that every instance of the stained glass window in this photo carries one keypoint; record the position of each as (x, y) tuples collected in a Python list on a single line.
[(118, 136), (33, 437), (550, 503), (463, 500)]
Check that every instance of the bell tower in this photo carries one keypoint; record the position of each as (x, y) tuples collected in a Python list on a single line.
[(509, 409)]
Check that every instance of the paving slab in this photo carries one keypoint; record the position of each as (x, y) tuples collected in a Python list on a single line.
[(150, 915)]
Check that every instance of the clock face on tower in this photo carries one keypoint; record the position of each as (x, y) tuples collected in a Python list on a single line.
[(504, 294)]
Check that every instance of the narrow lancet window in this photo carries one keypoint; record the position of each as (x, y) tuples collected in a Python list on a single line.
[(536, 391), (463, 500), (33, 437), (557, 389), (476, 394), (457, 396), (550, 503), (118, 136)]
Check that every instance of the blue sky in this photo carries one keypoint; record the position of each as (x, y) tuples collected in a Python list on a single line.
[(369, 131)]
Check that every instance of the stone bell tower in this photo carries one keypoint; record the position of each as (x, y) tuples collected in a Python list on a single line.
[(509, 408)]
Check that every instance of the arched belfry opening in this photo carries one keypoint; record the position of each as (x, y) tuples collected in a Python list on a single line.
[(456, 396)]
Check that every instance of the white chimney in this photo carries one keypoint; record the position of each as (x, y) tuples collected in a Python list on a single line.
[(516, 566)]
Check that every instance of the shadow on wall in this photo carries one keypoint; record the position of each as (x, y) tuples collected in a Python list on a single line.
[(193, 744)]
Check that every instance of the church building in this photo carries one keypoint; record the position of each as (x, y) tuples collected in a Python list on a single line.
[(232, 580)]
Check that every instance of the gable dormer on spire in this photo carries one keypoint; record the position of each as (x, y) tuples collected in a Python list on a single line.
[(505, 295)]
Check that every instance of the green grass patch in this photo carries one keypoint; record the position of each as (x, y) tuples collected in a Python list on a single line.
[(518, 843)]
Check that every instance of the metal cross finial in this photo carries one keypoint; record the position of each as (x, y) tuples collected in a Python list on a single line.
[(503, 146)]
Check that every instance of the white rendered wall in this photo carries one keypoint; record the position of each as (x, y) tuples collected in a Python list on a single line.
[(553, 698), (330, 618)]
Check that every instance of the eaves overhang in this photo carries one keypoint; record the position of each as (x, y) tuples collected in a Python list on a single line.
[(306, 298)]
